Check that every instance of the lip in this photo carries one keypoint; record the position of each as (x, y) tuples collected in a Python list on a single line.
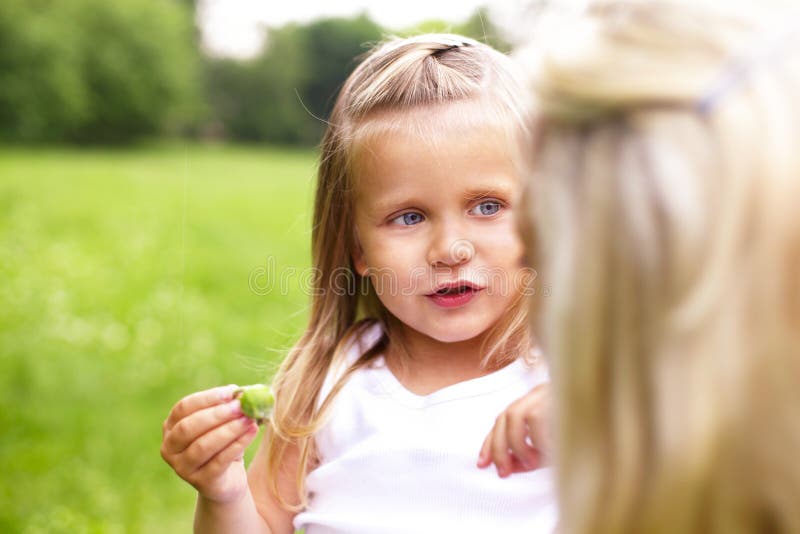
[(455, 283), (454, 300)]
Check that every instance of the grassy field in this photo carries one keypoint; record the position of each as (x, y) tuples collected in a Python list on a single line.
[(126, 285)]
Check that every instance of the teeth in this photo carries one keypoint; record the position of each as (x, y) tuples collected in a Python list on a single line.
[(453, 290)]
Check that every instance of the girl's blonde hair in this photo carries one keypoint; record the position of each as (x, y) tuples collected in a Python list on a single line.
[(664, 198), (420, 74)]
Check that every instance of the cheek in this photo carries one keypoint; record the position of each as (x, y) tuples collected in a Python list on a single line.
[(387, 250), (505, 246), (516, 248), (505, 256)]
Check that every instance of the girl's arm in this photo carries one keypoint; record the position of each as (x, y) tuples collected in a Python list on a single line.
[(279, 519), (236, 516), (258, 510)]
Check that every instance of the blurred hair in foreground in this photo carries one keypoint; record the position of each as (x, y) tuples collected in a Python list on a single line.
[(663, 215)]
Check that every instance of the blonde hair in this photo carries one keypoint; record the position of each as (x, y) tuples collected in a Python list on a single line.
[(401, 76), (664, 202)]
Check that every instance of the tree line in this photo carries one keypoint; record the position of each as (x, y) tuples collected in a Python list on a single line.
[(99, 72)]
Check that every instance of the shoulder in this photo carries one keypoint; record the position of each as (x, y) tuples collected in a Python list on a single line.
[(365, 335), (362, 337), (532, 368)]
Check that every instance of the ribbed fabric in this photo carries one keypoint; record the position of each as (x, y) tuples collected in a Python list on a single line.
[(393, 462)]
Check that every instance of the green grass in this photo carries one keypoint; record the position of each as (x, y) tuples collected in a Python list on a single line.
[(125, 285)]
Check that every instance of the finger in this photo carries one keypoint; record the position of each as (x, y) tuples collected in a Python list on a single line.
[(518, 416), (500, 456), (202, 450), (538, 430), (233, 452), (537, 421), (484, 457), (518, 467), (198, 401), (199, 423)]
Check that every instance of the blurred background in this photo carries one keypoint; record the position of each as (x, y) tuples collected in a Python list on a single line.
[(156, 170)]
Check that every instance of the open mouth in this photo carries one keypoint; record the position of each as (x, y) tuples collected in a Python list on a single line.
[(454, 290), (454, 294), (456, 286)]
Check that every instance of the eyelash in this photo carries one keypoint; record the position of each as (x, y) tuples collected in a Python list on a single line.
[(492, 201), (489, 201), (403, 216)]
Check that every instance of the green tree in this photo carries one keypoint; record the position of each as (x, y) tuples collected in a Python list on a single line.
[(140, 66), (480, 27), (334, 45), (284, 95), (95, 71), (42, 92), (257, 99)]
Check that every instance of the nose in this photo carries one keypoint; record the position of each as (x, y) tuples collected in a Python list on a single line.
[(450, 249)]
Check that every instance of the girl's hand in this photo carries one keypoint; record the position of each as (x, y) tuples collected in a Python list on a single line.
[(520, 439), (204, 438)]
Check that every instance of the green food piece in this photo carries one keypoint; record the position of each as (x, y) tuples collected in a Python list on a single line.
[(257, 401)]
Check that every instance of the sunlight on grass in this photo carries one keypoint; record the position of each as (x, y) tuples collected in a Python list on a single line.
[(124, 287)]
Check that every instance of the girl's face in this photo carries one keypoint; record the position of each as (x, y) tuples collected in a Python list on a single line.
[(436, 231)]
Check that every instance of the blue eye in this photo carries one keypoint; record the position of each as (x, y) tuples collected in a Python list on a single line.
[(408, 219), (487, 207)]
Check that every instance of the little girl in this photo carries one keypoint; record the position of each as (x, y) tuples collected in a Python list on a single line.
[(417, 338)]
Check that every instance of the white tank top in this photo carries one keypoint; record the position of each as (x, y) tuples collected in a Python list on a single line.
[(393, 462)]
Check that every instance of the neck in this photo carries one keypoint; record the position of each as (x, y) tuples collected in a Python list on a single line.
[(432, 364)]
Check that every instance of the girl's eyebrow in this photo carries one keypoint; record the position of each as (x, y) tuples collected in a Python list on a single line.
[(493, 190), (395, 203), (475, 193), (499, 185)]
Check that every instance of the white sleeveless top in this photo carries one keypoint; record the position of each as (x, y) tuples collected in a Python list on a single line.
[(393, 462)]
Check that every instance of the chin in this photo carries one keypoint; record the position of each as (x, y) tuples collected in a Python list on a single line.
[(451, 335), (451, 329)]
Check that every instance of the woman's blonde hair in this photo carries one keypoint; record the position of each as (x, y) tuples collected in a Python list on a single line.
[(419, 74), (664, 201)]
